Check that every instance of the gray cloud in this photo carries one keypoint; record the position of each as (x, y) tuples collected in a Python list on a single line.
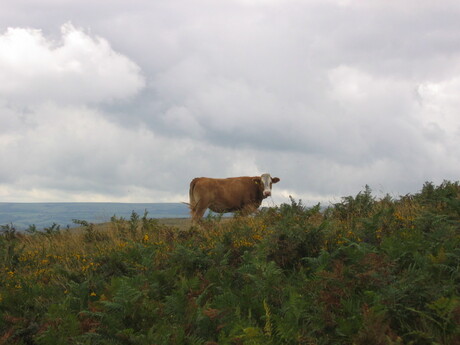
[(134, 100)]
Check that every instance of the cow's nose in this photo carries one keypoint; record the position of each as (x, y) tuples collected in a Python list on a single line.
[(267, 193)]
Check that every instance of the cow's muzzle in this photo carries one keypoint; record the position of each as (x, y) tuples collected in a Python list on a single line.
[(267, 193)]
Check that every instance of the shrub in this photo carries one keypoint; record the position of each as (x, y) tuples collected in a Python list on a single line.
[(362, 271)]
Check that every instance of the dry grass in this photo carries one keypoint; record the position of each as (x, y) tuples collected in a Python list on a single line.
[(179, 223)]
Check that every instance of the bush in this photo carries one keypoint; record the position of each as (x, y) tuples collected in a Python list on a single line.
[(362, 271)]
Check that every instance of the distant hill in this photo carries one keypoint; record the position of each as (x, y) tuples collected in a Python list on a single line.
[(42, 215)]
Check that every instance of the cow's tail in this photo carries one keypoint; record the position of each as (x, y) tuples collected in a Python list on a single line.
[(193, 198)]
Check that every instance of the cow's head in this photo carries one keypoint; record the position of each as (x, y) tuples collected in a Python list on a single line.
[(266, 182)]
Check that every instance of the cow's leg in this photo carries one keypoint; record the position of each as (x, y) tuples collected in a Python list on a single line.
[(198, 212), (248, 209)]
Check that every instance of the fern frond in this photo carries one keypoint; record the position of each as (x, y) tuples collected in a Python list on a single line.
[(268, 322)]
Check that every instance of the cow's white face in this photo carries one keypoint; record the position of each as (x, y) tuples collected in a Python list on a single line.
[(267, 181)]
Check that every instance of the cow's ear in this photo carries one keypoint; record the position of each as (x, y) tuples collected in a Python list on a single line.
[(275, 179), (256, 180)]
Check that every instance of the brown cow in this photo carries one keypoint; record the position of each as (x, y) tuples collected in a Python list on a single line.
[(232, 194)]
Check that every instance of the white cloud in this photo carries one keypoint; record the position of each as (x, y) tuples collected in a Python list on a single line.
[(77, 153), (77, 69), (182, 120), (440, 104), (56, 143)]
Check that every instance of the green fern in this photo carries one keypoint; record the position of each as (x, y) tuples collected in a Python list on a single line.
[(288, 324), (125, 293), (268, 321), (194, 340)]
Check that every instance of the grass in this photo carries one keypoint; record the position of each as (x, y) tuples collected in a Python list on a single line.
[(179, 223), (362, 271)]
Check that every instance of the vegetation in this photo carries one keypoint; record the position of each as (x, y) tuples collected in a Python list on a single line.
[(362, 271)]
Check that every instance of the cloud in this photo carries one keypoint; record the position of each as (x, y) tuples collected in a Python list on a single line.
[(77, 153), (327, 95), (56, 143), (77, 69), (440, 104)]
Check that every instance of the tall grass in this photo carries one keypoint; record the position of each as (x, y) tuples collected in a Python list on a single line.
[(362, 271)]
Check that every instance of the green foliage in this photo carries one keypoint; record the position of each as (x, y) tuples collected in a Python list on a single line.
[(362, 271), (352, 208), (54, 229), (295, 234), (91, 234), (32, 229), (10, 247)]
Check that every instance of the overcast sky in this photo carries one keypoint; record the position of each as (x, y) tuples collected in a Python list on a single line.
[(127, 101)]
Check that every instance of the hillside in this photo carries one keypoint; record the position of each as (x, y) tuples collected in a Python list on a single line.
[(44, 214), (362, 271)]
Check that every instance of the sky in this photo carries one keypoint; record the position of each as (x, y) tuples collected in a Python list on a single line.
[(128, 101)]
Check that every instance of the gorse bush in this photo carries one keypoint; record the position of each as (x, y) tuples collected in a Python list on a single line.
[(362, 271)]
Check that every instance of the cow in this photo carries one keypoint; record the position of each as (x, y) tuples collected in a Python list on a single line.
[(244, 194)]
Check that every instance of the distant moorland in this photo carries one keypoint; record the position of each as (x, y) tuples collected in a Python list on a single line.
[(362, 271), (45, 214)]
